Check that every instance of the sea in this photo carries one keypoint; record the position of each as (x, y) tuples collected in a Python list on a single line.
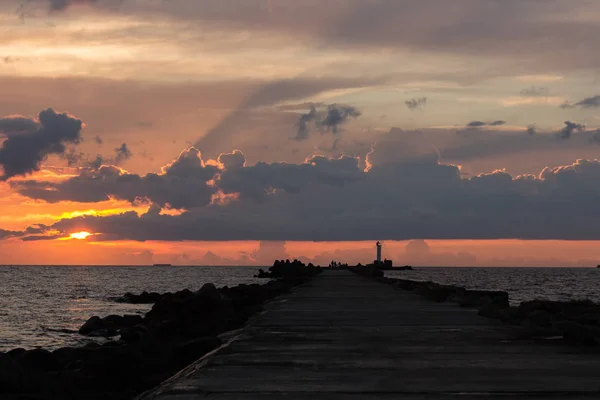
[(40, 306)]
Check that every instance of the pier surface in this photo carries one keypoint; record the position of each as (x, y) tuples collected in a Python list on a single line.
[(342, 336)]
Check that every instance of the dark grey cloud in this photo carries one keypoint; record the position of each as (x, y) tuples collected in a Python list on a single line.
[(337, 115), (569, 128), (62, 5), (329, 120), (479, 124), (589, 102), (508, 143), (6, 234), (303, 123), (96, 163), (18, 124), (259, 181), (122, 153), (476, 124), (535, 91), (28, 141), (391, 201), (73, 156), (416, 103), (183, 184), (595, 138)]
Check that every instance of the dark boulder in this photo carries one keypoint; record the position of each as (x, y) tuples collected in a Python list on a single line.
[(210, 292), (118, 321), (143, 298), (133, 334), (92, 324), (39, 360), (12, 375), (104, 332), (15, 352), (67, 355)]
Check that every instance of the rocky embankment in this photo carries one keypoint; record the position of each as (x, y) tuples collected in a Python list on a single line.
[(576, 322), (282, 268), (180, 328)]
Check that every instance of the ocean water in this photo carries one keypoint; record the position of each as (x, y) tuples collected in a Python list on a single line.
[(37, 302), (522, 284)]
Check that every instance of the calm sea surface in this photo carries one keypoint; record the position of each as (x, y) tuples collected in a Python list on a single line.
[(36, 303)]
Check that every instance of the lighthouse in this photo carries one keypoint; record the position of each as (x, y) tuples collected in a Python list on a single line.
[(378, 252)]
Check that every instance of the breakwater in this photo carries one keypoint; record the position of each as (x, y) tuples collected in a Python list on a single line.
[(341, 336), (575, 322)]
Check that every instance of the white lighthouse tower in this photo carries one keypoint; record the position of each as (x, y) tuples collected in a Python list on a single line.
[(378, 252)]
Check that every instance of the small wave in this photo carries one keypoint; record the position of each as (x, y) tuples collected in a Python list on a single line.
[(58, 330)]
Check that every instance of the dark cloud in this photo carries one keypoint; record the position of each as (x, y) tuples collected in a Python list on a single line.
[(18, 124), (26, 147), (535, 91), (595, 138), (96, 163), (303, 123), (10, 60), (122, 153), (262, 180), (416, 103), (73, 156), (391, 201), (61, 5), (589, 102), (337, 115), (478, 124), (329, 120), (144, 124), (5, 234), (569, 128), (37, 238), (183, 184)]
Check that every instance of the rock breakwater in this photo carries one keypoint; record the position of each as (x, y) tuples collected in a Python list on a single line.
[(180, 328)]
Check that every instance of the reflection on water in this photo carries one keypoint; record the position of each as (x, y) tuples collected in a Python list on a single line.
[(39, 305), (521, 283)]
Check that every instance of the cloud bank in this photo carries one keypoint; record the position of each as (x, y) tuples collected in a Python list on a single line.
[(404, 192)]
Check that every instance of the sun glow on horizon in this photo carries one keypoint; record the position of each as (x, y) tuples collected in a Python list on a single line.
[(79, 235)]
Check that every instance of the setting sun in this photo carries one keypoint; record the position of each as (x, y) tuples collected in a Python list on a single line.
[(80, 235)]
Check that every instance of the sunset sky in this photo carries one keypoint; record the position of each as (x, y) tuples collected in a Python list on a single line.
[(223, 132)]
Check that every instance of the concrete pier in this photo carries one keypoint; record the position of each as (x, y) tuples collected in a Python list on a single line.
[(342, 336)]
